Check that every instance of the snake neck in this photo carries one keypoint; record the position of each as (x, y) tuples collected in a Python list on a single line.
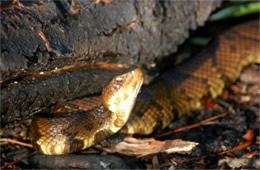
[(119, 97)]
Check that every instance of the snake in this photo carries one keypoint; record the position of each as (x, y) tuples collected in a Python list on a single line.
[(128, 106)]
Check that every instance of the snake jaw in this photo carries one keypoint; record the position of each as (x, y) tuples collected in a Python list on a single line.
[(120, 94)]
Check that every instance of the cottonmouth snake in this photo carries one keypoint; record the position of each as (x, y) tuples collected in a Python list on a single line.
[(80, 123)]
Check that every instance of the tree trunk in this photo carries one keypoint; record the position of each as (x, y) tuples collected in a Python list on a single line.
[(38, 36)]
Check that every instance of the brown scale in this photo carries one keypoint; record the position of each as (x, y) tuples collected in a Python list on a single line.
[(153, 105), (238, 47), (207, 73), (202, 76), (74, 129)]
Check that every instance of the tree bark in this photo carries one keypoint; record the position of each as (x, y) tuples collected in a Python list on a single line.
[(38, 36)]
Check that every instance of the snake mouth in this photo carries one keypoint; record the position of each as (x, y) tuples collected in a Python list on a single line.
[(120, 94)]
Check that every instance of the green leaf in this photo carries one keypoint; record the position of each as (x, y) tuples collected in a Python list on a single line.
[(236, 11)]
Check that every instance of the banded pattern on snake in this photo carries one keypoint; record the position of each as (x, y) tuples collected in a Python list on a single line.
[(81, 123)]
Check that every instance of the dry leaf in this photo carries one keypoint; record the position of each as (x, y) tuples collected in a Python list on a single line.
[(235, 163), (148, 146)]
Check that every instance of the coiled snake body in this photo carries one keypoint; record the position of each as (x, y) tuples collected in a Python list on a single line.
[(78, 124)]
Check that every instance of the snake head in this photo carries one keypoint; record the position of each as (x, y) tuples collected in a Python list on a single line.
[(120, 94)]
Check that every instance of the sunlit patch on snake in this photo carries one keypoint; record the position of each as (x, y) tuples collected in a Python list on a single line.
[(81, 123)]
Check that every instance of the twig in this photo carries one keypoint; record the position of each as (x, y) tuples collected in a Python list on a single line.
[(191, 126), (18, 160), (15, 142), (248, 136)]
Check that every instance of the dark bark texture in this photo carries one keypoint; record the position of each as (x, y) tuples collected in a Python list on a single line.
[(42, 35), (20, 99)]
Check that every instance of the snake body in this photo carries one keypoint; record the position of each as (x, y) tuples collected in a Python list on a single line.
[(78, 124)]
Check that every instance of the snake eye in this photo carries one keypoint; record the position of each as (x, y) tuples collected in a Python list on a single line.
[(119, 79), (118, 83)]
